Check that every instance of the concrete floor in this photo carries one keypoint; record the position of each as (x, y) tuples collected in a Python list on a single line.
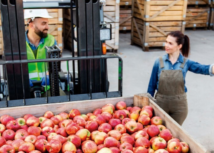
[(137, 70)]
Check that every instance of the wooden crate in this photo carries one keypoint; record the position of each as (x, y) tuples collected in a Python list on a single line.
[(126, 2), (153, 10), (211, 24), (111, 11), (125, 18), (85, 107), (197, 17), (153, 34), (198, 2)]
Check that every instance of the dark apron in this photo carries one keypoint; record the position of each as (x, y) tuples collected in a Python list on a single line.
[(171, 96)]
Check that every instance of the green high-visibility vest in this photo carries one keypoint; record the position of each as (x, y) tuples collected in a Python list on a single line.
[(37, 70)]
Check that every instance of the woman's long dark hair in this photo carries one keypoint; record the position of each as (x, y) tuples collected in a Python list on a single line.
[(183, 40)]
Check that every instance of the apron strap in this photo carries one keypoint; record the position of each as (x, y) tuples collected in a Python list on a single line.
[(183, 64), (161, 62)]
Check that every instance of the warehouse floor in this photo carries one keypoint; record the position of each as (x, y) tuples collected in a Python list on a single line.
[(137, 69)]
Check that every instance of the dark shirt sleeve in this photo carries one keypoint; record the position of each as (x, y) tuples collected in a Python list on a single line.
[(198, 68), (153, 79)]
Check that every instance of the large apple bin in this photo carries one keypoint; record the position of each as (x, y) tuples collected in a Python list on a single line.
[(84, 107)]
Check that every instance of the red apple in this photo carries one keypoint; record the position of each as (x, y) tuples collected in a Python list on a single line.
[(21, 134), (69, 146), (129, 108), (2, 141), (21, 121), (6, 118), (185, 147), (135, 109), (161, 151), (143, 142), (85, 117), (62, 132), (121, 128), (156, 121), (126, 151), (35, 151), (73, 113), (99, 147), (173, 140), (76, 140), (79, 120), (9, 142), (125, 120), (174, 147), (111, 142), (26, 116), (159, 143), (120, 114), (83, 134), (153, 130), (131, 126), (127, 112), (108, 108), (148, 107), (2, 128), (107, 116), (47, 122), (41, 137), (25, 127), (121, 105), (127, 138), (55, 120), (54, 146), (114, 122), (89, 146), (147, 112), (65, 122), (139, 126), (31, 138), (152, 140), (105, 127), (115, 149), (144, 119), (126, 146), (91, 117), (100, 119), (161, 127), (48, 114), (7, 149), (47, 130), (32, 121), (98, 137), (152, 151), (56, 127), (78, 151), (13, 125), (59, 138), (51, 136), (91, 125), (72, 128), (141, 133), (141, 150), (27, 147), (41, 145), (16, 144), (105, 150), (32, 130), (166, 134), (41, 119), (8, 134), (97, 111), (64, 115), (115, 134)]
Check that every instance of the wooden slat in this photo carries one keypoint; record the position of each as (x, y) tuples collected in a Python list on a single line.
[(111, 10)]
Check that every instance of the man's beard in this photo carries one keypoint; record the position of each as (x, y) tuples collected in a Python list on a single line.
[(40, 33)]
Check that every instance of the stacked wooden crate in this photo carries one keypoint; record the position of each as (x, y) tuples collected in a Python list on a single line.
[(125, 15), (153, 20), (111, 16), (198, 14), (211, 24)]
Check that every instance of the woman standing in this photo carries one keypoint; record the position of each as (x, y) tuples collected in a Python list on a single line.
[(168, 76)]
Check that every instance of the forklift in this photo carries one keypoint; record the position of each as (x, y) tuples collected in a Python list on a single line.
[(86, 79)]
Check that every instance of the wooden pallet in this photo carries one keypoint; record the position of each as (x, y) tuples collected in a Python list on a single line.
[(197, 17), (112, 11), (125, 2), (125, 19), (153, 10), (211, 23), (198, 3), (153, 34)]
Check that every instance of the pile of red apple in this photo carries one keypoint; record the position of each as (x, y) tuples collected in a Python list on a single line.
[(107, 130)]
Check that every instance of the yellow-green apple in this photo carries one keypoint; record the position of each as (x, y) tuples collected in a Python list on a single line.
[(47, 130), (69, 146), (151, 150), (161, 127), (54, 146), (126, 151), (41, 145), (114, 122), (47, 122), (134, 115), (121, 105), (100, 146), (72, 128), (143, 142), (127, 138), (27, 147), (156, 120), (111, 142), (121, 128), (65, 122), (131, 126), (91, 125), (2, 128), (75, 140), (13, 125), (159, 143), (100, 119), (166, 134), (98, 137), (21, 134), (107, 116), (185, 147), (62, 132), (16, 144), (173, 140), (89, 146), (8, 134), (139, 126), (20, 121), (146, 112), (141, 133), (105, 150), (141, 150), (60, 138), (73, 113), (2, 141), (33, 130), (152, 140), (84, 134), (135, 109), (115, 149), (97, 111), (147, 107), (7, 149), (48, 114), (120, 114), (31, 138), (32, 121), (174, 147), (126, 146), (153, 130), (41, 119), (64, 115), (108, 108), (115, 134), (144, 119), (105, 127), (41, 137), (125, 120), (79, 120), (6, 118), (161, 151), (26, 116), (85, 117)]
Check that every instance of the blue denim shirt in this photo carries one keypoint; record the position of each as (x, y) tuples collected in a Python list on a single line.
[(189, 66)]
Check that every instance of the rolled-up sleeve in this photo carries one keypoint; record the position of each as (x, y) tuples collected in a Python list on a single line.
[(198, 68), (153, 79), (211, 68)]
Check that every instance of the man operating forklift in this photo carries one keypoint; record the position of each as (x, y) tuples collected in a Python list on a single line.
[(37, 38)]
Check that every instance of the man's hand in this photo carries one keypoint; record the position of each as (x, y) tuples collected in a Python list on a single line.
[(44, 80)]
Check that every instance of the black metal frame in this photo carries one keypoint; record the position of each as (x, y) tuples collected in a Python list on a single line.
[(71, 97)]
